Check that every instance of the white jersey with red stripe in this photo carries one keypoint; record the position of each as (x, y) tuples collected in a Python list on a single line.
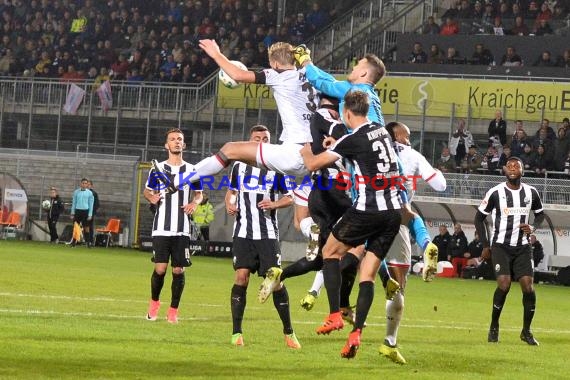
[(416, 165), (296, 101)]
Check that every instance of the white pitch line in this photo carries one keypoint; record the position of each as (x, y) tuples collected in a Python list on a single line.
[(86, 314), (304, 322), (90, 299)]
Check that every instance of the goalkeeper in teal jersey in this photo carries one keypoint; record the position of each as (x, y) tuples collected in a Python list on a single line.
[(364, 76)]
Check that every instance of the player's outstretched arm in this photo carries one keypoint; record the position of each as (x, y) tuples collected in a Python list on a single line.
[(211, 48), (324, 82)]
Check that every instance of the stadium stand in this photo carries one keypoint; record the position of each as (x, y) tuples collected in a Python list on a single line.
[(75, 40)]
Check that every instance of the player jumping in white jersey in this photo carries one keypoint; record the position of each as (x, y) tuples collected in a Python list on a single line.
[(398, 258), (296, 102)]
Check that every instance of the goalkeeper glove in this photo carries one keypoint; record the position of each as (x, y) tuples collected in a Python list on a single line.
[(302, 54), (309, 300)]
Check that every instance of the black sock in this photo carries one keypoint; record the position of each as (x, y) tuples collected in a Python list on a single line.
[(237, 302), (348, 272), (384, 273), (178, 281), (332, 279), (301, 267), (281, 302), (156, 283), (529, 304), (498, 301), (363, 303), (349, 261)]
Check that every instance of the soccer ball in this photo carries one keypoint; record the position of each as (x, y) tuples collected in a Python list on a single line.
[(226, 79), (46, 205)]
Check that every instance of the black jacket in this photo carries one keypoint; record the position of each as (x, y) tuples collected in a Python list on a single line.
[(475, 248), (498, 128), (457, 245), (56, 208), (442, 241), (95, 202)]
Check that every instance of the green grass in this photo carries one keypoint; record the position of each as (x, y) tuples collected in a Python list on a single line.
[(78, 313)]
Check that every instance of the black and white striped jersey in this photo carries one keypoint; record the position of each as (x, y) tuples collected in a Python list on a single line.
[(371, 155), (253, 185), (509, 209), (322, 126), (175, 184)]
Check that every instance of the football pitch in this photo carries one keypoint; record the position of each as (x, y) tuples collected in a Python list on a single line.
[(79, 314)]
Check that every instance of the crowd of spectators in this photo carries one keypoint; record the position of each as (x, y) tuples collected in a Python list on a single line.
[(501, 17), (541, 150), (482, 56), (141, 40), (520, 18)]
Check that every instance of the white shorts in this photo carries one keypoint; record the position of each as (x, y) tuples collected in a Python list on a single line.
[(301, 195), (400, 252), (283, 158)]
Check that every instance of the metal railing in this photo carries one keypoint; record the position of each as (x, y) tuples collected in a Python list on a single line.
[(39, 95), (368, 27), (32, 115), (554, 188)]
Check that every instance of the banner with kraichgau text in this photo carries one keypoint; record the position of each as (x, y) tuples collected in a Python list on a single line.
[(477, 98)]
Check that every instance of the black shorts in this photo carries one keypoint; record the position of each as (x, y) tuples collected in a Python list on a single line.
[(376, 229), (175, 248), (512, 261), (326, 207), (81, 217), (256, 255)]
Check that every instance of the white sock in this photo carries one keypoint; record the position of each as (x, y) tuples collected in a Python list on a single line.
[(305, 226), (317, 282), (209, 166), (394, 312)]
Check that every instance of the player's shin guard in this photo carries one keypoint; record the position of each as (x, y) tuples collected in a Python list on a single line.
[(332, 277), (238, 302), (419, 232), (178, 282), (498, 302), (363, 304), (394, 312), (156, 284), (529, 304), (281, 303)]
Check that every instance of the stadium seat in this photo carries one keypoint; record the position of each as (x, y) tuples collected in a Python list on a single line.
[(11, 224), (113, 227), (13, 220)]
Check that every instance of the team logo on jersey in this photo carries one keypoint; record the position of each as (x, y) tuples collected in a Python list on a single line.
[(526, 200), (497, 268)]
